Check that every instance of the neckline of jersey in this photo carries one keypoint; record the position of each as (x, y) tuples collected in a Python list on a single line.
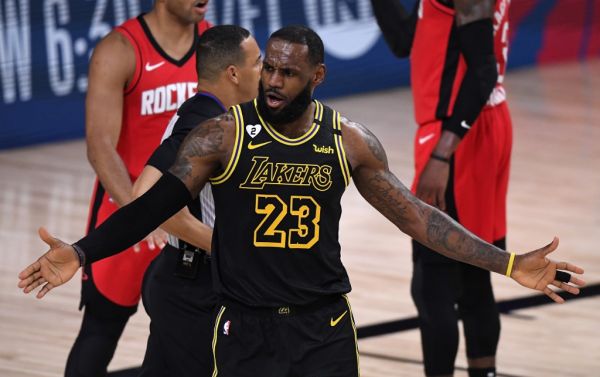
[(312, 131), (179, 63)]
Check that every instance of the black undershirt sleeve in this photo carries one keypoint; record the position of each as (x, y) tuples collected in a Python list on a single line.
[(476, 43), (396, 24), (133, 222)]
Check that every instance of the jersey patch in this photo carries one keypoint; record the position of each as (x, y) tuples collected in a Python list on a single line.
[(253, 129)]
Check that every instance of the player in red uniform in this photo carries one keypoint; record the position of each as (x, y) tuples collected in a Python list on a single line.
[(462, 153), (139, 75)]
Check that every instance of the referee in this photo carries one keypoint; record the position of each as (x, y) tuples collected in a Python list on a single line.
[(177, 290)]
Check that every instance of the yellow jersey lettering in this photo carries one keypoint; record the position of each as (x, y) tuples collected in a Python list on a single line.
[(265, 172), (323, 149)]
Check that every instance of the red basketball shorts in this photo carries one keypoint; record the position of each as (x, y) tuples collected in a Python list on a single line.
[(481, 169)]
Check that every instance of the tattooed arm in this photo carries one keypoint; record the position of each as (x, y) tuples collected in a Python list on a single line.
[(202, 154), (431, 227), (384, 191)]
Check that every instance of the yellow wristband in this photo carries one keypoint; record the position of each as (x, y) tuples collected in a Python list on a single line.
[(510, 264)]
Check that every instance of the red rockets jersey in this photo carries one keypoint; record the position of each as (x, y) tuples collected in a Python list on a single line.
[(160, 85), (437, 66)]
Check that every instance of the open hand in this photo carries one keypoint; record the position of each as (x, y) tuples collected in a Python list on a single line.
[(534, 270), (54, 268)]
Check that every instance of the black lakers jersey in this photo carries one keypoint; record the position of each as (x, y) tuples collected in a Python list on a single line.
[(275, 238)]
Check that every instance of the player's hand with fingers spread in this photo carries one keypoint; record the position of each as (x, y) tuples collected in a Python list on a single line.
[(535, 270), (54, 268)]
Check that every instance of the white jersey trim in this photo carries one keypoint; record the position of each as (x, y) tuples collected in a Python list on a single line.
[(170, 126)]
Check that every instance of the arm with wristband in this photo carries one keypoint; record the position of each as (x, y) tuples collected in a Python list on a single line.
[(125, 227), (475, 37), (183, 224), (208, 151), (202, 154)]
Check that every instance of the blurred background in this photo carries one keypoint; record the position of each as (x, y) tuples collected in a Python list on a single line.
[(45, 46)]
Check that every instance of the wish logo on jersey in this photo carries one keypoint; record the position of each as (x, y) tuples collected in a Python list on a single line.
[(265, 172), (166, 98)]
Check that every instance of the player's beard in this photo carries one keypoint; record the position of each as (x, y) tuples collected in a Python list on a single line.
[(289, 112)]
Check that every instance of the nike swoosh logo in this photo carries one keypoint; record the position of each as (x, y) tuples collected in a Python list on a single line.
[(254, 146), (464, 124), (424, 139), (153, 66), (333, 322)]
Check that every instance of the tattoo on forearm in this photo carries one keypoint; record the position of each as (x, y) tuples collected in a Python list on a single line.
[(442, 233), (427, 224), (386, 193), (454, 241), (424, 223)]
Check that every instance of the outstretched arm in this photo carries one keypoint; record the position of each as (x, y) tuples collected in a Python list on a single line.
[(202, 154), (433, 228)]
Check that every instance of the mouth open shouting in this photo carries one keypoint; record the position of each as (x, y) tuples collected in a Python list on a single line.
[(274, 100), (276, 109)]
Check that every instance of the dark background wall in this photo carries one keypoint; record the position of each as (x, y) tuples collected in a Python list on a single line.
[(45, 46)]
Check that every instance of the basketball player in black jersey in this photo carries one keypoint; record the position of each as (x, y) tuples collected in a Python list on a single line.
[(279, 166)]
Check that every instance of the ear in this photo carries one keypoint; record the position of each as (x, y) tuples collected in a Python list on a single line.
[(319, 75), (233, 74)]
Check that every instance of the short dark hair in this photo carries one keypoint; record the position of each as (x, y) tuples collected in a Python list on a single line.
[(219, 47), (305, 36)]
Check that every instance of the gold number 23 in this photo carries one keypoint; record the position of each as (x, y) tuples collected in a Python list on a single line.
[(304, 209)]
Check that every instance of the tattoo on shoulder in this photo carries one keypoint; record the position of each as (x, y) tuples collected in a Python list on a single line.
[(204, 140), (372, 142)]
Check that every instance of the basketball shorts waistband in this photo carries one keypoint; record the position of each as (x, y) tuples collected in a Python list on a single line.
[(283, 310)]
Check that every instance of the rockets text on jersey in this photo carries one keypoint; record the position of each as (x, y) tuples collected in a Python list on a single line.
[(166, 97)]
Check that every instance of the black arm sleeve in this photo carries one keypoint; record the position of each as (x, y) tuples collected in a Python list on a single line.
[(133, 222), (397, 25), (476, 42)]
